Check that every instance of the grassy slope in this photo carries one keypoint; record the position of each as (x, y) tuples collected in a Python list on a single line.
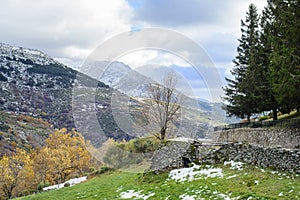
[(249, 182)]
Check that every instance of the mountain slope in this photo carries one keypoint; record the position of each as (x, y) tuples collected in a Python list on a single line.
[(37, 85), (21, 131)]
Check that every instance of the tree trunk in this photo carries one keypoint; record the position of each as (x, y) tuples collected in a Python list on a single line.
[(248, 118), (275, 114), (9, 194), (163, 133)]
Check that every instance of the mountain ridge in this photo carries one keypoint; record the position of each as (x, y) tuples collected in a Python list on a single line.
[(35, 84)]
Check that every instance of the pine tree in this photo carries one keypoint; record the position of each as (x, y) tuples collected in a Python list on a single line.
[(285, 57), (268, 101), (242, 93)]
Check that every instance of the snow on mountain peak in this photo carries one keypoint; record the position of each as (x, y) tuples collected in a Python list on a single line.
[(36, 56)]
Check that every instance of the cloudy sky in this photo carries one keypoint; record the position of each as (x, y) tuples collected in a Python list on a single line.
[(74, 28)]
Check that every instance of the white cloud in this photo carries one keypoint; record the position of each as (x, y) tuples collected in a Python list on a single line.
[(72, 29), (60, 25), (142, 58), (138, 58)]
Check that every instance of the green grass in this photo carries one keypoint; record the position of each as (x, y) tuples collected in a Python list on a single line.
[(292, 115), (249, 182)]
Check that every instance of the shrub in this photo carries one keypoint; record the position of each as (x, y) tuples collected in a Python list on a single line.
[(264, 118), (42, 185), (104, 169), (123, 153), (67, 184)]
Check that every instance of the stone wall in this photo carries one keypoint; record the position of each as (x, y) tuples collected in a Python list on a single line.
[(272, 137), (273, 158), (170, 156), (180, 154)]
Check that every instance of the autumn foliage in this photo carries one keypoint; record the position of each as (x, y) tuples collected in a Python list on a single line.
[(64, 156)]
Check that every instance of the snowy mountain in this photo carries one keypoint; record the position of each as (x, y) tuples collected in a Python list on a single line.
[(33, 83), (118, 76), (32, 68), (114, 73)]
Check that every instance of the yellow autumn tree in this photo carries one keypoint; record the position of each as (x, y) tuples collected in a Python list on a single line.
[(26, 180), (42, 159), (64, 155), (13, 172)]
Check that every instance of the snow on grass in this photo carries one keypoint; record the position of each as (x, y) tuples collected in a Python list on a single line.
[(137, 194), (194, 173), (234, 165), (233, 176), (187, 197), (71, 182), (203, 193), (225, 197)]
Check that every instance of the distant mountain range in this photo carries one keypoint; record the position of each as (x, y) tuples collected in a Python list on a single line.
[(134, 83), (34, 84)]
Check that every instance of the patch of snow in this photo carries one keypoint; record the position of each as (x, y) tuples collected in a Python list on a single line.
[(233, 176), (234, 165), (280, 194), (187, 197), (72, 182), (137, 194), (256, 182), (194, 173), (182, 139), (224, 196)]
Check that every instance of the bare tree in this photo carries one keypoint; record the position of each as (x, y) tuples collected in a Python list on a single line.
[(164, 105)]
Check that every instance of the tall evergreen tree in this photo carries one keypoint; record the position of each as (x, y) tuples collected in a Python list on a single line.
[(285, 57), (241, 93), (268, 101)]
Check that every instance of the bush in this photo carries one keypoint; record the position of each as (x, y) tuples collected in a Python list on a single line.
[(42, 185), (140, 145), (104, 169), (264, 118), (116, 157), (67, 184), (123, 153), (4, 127)]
